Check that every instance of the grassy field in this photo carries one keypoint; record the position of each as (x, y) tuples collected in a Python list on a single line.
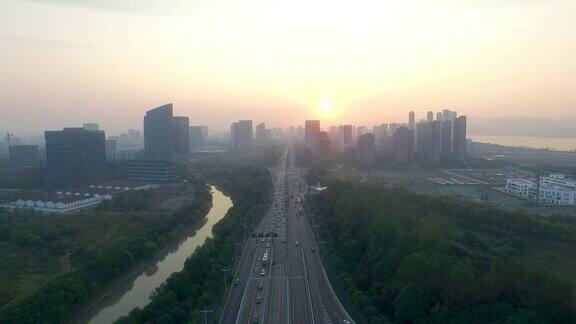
[(36, 249), (419, 183)]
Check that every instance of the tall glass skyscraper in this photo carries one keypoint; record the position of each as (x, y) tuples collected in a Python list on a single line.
[(159, 134)]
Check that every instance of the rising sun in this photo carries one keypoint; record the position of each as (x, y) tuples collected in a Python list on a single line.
[(326, 105)]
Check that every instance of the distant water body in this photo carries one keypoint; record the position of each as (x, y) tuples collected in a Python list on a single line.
[(556, 143)]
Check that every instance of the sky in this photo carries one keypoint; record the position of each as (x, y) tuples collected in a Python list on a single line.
[(65, 62)]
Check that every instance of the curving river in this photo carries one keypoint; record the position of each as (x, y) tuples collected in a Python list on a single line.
[(136, 292)]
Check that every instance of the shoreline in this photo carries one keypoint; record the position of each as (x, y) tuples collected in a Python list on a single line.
[(80, 315)]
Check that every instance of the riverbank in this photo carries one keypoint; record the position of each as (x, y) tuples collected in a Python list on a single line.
[(135, 290), (199, 285), (122, 284), (102, 244)]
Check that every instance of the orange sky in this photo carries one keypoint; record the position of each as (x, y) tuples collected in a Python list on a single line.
[(65, 62)]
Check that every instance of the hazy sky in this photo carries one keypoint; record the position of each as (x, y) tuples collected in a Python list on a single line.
[(64, 62)]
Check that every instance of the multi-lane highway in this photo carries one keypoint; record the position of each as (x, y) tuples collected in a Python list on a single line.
[(280, 278)]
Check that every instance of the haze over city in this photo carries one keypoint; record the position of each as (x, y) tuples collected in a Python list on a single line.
[(68, 62)]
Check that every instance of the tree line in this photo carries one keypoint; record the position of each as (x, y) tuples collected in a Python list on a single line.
[(200, 285), (100, 245), (408, 258)]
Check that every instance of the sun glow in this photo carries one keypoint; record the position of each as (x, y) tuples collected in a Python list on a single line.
[(326, 105)]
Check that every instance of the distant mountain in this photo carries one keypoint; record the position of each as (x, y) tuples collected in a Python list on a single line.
[(523, 126)]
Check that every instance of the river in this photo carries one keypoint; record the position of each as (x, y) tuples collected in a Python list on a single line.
[(556, 143), (136, 292)]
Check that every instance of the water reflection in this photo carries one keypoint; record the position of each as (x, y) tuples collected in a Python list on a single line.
[(136, 291)]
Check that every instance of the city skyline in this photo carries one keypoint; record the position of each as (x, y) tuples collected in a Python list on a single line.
[(369, 60)]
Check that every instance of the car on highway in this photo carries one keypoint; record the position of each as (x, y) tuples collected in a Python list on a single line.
[(258, 300), (263, 272), (260, 286), (236, 282)]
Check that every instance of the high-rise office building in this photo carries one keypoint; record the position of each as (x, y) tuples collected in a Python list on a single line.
[(403, 141), (345, 132), (460, 138), (91, 126), (435, 141), (361, 130), (311, 131), (380, 135), (447, 144), (439, 116), (392, 127), (181, 135), (412, 120), (430, 117), (366, 149), (245, 135), (74, 154), (234, 139), (323, 146), (159, 134), (264, 136), (449, 114), (423, 141)]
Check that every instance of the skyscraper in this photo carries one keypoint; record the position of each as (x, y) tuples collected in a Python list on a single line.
[(366, 149), (423, 141), (412, 120), (361, 130), (245, 135), (439, 116), (460, 138), (430, 117), (403, 141), (74, 154), (345, 132), (435, 141), (264, 136), (392, 129), (311, 130), (448, 117), (234, 138), (323, 146), (159, 134), (447, 144), (181, 135)]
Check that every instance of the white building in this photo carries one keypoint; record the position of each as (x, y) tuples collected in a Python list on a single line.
[(523, 188), (555, 189)]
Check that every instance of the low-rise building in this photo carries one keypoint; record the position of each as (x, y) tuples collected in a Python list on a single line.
[(556, 189), (523, 188)]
